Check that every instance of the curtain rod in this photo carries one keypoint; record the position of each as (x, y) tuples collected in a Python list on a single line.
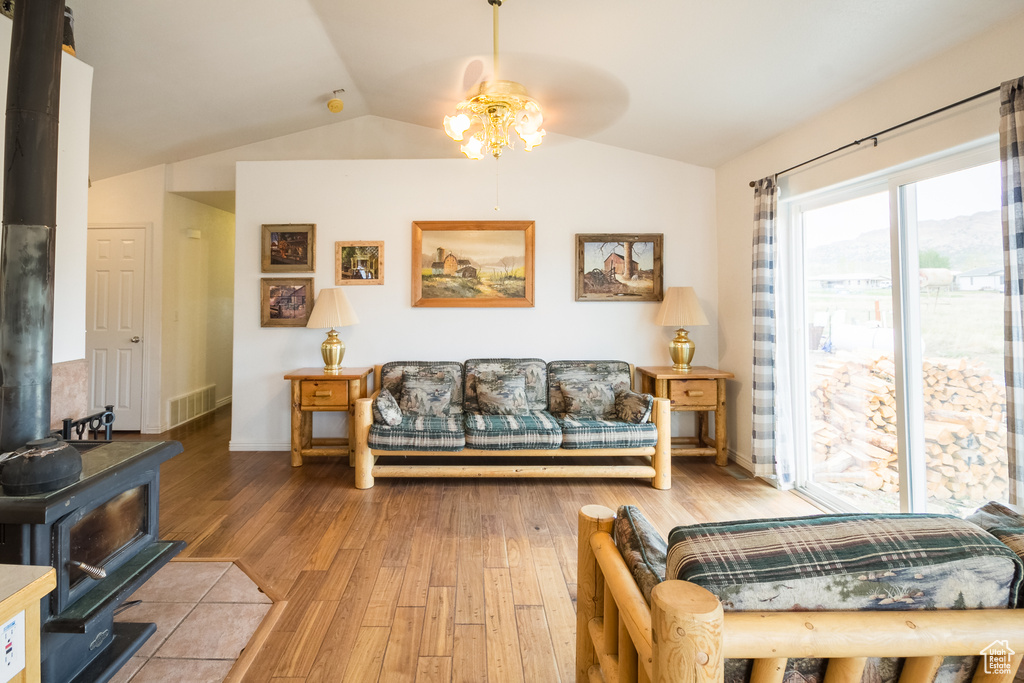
[(887, 130)]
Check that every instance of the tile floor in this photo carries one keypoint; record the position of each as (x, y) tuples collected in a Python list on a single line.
[(205, 613)]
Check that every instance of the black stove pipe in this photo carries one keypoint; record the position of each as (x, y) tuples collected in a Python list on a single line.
[(29, 222)]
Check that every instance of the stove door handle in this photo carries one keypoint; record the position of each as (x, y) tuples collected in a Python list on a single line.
[(89, 570)]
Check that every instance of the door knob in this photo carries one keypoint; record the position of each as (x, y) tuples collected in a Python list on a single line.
[(136, 339)]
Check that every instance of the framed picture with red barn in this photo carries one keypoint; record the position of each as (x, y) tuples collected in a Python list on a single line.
[(618, 267)]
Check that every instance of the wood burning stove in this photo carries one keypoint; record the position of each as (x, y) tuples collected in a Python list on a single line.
[(101, 535)]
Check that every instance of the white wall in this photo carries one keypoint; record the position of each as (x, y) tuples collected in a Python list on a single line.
[(198, 288), (973, 67), (72, 197), (568, 188)]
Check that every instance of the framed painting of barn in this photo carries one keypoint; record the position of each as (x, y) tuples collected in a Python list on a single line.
[(288, 248), (359, 263), (619, 267), (472, 264)]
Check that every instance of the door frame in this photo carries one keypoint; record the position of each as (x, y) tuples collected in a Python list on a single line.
[(151, 325)]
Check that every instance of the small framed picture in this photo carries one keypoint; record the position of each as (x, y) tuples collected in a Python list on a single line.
[(358, 263), (289, 248), (618, 267), (285, 301)]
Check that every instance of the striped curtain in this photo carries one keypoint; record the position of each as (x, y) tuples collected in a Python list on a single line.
[(764, 447), (1011, 140)]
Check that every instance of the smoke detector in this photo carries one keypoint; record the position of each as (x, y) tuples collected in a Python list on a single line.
[(335, 104)]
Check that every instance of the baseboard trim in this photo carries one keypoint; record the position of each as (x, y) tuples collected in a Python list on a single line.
[(222, 402), (234, 445)]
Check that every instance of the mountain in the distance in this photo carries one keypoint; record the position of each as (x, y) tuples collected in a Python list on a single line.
[(967, 241)]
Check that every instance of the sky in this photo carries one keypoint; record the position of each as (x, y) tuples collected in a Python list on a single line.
[(961, 193)]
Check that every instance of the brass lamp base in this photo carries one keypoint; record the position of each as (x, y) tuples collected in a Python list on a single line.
[(681, 349), (333, 350)]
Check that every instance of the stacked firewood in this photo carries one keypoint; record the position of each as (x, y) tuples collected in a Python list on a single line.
[(854, 427)]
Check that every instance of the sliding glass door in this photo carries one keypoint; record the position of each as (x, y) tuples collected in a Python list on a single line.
[(898, 372)]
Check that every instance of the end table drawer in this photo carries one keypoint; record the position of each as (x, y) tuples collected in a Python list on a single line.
[(693, 392), (318, 394)]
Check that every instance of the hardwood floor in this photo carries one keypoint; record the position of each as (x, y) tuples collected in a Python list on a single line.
[(415, 580)]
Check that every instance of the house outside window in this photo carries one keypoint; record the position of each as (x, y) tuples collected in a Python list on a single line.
[(893, 296)]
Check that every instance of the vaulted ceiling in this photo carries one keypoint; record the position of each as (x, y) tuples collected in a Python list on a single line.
[(695, 80)]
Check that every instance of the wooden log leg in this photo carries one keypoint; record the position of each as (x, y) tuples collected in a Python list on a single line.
[(297, 424), (845, 669), (591, 519), (363, 417), (662, 458), (721, 436), (686, 630), (611, 622), (768, 670), (920, 669), (999, 676), (628, 658), (350, 416)]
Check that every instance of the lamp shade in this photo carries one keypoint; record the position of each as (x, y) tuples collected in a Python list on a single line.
[(680, 308), (332, 309)]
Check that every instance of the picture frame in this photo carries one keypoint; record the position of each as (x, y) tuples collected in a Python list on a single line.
[(601, 267), (359, 263), (286, 301), (288, 248), (473, 264)]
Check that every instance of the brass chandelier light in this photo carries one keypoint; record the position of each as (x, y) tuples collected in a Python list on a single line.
[(493, 107)]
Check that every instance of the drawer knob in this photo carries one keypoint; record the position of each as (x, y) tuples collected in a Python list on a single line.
[(322, 394), (694, 393)]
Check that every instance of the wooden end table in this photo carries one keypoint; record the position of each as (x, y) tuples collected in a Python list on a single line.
[(314, 390), (700, 390)]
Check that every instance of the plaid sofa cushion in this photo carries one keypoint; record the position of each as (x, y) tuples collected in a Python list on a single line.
[(533, 370), (642, 548), (539, 429), (847, 562), (586, 432), (1004, 524), (391, 375), (613, 372), (419, 434)]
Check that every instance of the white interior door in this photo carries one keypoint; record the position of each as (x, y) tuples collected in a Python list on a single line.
[(115, 307)]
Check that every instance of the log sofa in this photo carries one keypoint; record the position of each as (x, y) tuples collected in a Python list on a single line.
[(830, 598), (523, 408)]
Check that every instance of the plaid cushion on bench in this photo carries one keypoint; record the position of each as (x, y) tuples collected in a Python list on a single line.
[(848, 562), (419, 434), (1004, 524), (509, 432), (829, 562), (583, 432)]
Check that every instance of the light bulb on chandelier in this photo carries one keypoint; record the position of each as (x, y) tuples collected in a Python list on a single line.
[(493, 107)]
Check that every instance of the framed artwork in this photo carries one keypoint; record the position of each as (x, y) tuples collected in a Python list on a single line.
[(472, 264), (285, 301), (618, 267), (289, 248), (358, 263)]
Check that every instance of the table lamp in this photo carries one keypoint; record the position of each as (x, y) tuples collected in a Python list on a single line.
[(679, 309), (331, 310)]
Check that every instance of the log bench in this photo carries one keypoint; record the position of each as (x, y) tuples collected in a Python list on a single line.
[(685, 634)]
